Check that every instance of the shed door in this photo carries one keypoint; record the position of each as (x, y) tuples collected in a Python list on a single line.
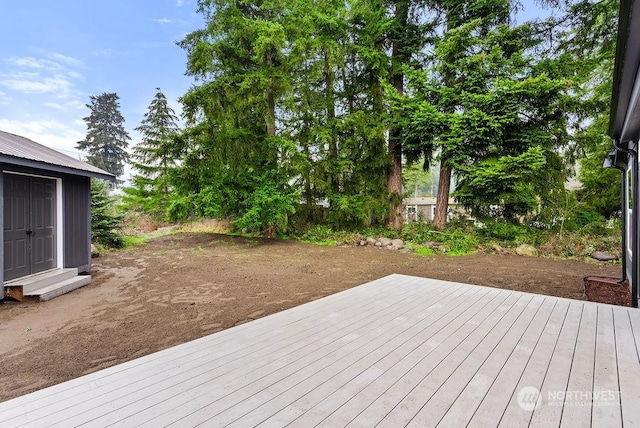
[(29, 225)]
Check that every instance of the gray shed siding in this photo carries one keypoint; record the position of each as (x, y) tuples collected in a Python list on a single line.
[(2, 230), (76, 216), (76, 194)]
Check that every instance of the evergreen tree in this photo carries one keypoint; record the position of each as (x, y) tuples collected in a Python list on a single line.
[(106, 139), (241, 64), (155, 157), (105, 221), (490, 111)]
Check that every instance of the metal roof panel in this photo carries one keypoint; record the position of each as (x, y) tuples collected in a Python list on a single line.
[(23, 148)]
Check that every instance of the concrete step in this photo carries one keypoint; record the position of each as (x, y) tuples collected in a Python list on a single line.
[(41, 280), (59, 288)]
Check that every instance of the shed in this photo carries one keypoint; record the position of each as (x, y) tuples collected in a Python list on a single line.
[(45, 198), (624, 129)]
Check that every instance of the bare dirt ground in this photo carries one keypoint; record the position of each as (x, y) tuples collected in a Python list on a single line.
[(180, 287)]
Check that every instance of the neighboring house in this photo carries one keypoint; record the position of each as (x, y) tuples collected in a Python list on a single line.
[(424, 209), (624, 129), (46, 235)]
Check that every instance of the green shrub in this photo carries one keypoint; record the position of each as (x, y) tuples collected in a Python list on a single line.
[(106, 223)]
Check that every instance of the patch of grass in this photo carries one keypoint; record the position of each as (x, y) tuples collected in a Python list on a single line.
[(136, 240), (424, 251)]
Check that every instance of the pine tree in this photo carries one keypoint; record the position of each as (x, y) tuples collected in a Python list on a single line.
[(155, 157), (106, 139), (493, 113), (105, 221)]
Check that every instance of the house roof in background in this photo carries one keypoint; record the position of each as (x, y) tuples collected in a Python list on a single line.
[(17, 150)]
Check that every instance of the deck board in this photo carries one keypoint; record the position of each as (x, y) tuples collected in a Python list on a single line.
[(398, 351)]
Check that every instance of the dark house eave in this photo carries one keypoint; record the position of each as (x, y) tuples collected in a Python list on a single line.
[(624, 123), (26, 163)]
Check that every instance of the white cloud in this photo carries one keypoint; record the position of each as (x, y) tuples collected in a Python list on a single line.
[(163, 21), (69, 105), (65, 59), (5, 98), (31, 75), (179, 3), (29, 83)]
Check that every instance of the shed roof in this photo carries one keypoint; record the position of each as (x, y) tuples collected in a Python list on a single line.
[(17, 150)]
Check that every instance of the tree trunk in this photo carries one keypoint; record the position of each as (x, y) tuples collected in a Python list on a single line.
[(442, 200), (334, 181), (394, 177), (271, 113)]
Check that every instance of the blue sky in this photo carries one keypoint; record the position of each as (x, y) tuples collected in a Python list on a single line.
[(55, 54)]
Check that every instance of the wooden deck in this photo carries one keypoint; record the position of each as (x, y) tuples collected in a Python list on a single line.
[(399, 351)]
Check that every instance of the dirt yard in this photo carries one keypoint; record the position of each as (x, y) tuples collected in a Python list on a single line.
[(180, 287)]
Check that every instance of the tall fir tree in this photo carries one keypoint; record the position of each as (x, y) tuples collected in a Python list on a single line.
[(155, 157), (492, 113), (106, 139)]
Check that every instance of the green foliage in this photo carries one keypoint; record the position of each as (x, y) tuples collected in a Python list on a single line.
[(179, 209), (315, 91), (490, 110), (106, 139), (154, 159), (356, 211), (268, 206), (451, 240), (508, 232), (105, 221), (507, 186)]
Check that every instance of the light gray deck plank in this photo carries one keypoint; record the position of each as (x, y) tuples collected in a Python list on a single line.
[(537, 367), (628, 366), (433, 322), (362, 394), (466, 404), (439, 398), (210, 400), (576, 414), (605, 373), (463, 325), (409, 410), (397, 351), (334, 373), (393, 397), (432, 411), (549, 411), (493, 405)]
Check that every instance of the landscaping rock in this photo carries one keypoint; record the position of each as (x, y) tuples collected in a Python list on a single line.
[(363, 243), (371, 241), (385, 242), (603, 257), (526, 250), (398, 243), (378, 244), (429, 244), (497, 248)]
